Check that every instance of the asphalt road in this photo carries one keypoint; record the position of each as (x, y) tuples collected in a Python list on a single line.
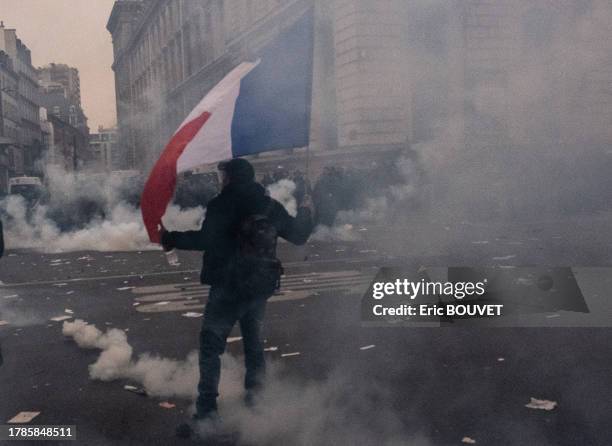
[(349, 384)]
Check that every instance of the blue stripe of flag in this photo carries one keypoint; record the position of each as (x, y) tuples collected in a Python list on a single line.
[(273, 108)]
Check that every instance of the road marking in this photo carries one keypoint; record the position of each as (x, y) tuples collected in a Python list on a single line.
[(301, 263), (191, 296)]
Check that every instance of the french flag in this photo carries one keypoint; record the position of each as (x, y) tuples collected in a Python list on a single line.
[(259, 106)]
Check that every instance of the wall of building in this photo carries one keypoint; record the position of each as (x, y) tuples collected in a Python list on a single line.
[(104, 150), (388, 74)]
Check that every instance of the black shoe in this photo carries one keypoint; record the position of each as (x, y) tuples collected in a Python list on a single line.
[(190, 430)]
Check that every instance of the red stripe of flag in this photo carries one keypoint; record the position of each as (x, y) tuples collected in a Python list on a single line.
[(159, 188)]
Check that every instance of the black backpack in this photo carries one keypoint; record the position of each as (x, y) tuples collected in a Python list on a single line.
[(257, 271)]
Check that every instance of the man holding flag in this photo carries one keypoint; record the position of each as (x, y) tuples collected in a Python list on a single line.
[(234, 296), (259, 106)]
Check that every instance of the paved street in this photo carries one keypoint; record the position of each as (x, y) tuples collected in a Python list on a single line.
[(374, 385)]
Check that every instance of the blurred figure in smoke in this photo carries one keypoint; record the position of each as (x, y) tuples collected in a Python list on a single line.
[(325, 196), (300, 186), (238, 237)]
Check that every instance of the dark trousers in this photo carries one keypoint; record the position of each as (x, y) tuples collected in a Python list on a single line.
[(222, 311)]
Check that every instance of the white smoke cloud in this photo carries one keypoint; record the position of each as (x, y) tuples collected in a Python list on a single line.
[(338, 232), (158, 376), (283, 191), (288, 411), (106, 223), (11, 312)]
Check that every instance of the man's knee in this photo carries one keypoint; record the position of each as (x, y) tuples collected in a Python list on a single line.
[(212, 343)]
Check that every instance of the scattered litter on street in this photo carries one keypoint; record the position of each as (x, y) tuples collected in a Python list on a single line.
[(270, 349), (501, 359), (234, 339), (167, 405), (136, 390), (125, 288), (60, 318), (68, 311), (367, 347), (504, 257), (23, 417), (285, 355), (192, 314), (551, 316), (468, 440), (541, 404)]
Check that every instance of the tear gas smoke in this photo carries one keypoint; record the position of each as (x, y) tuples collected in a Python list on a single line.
[(158, 376), (288, 411), (11, 313), (283, 191), (85, 212)]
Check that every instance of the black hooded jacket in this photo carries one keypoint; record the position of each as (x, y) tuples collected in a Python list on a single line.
[(224, 213)]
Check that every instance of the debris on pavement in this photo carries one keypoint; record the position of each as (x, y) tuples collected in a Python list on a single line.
[(125, 288), (285, 355), (60, 318), (136, 390), (541, 404), (68, 311), (504, 257), (468, 440), (167, 405), (501, 359), (234, 339), (23, 417), (270, 349), (367, 347), (192, 314)]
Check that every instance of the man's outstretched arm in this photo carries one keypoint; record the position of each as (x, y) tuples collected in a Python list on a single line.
[(187, 240), (296, 229), (194, 240)]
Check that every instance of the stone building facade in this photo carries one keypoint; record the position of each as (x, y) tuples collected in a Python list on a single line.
[(21, 144), (104, 149), (388, 74), (60, 88), (169, 53)]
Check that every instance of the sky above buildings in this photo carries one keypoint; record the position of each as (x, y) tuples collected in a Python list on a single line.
[(71, 32)]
